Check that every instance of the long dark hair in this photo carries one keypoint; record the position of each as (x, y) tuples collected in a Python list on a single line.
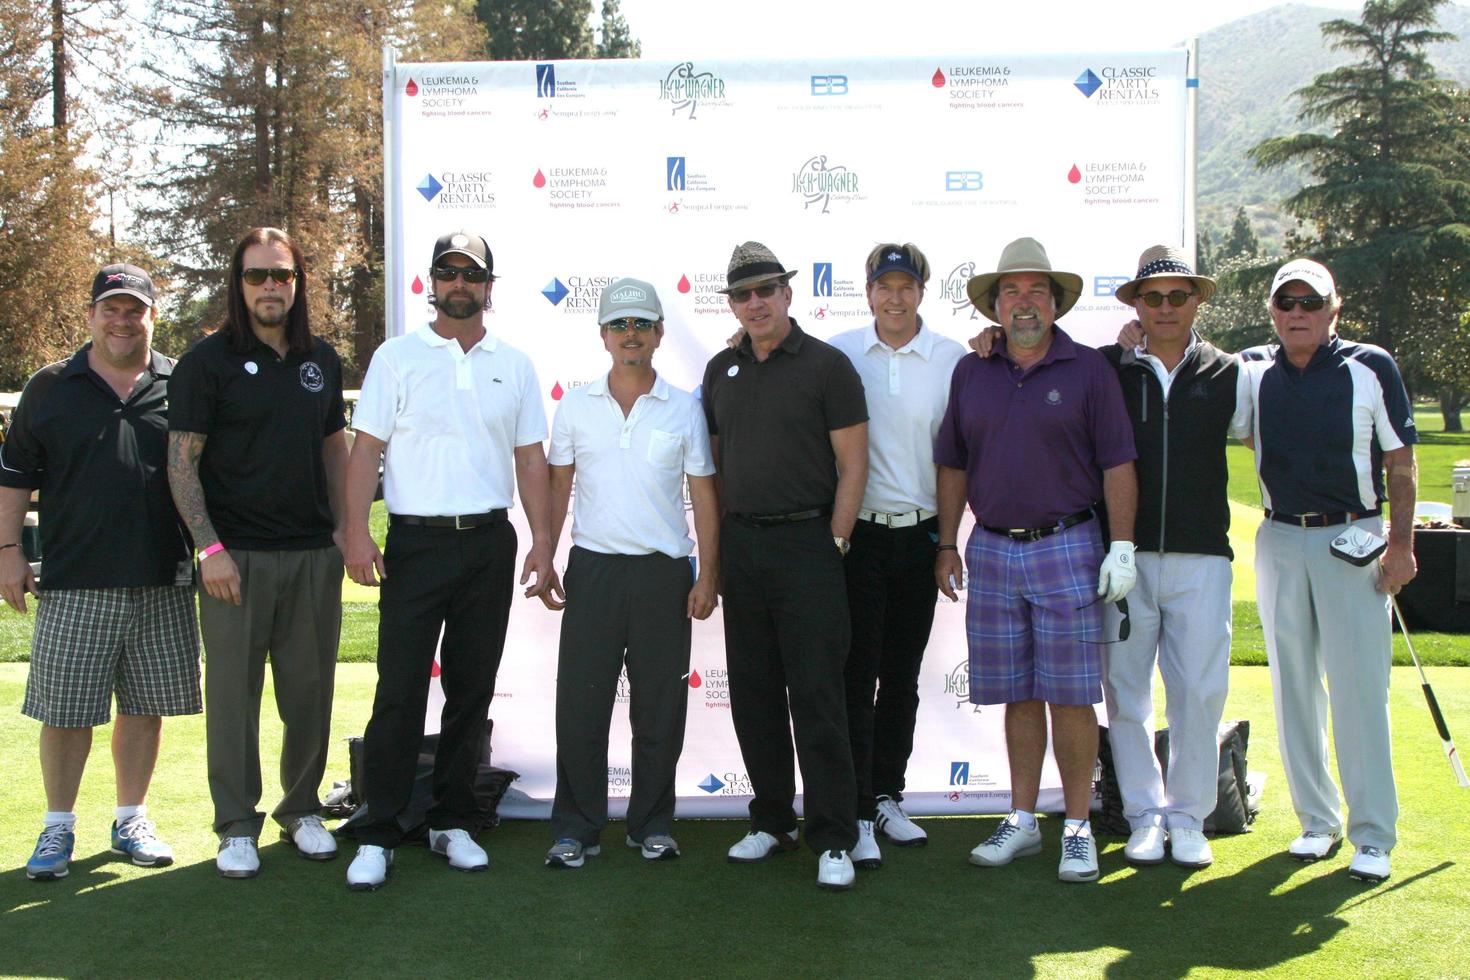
[(237, 317)]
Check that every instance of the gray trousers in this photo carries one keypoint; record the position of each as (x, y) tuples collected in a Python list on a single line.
[(1323, 616), (621, 606), (290, 611)]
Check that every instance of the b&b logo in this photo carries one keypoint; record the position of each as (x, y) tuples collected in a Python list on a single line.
[(829, 85), (964, 180), (546, 81), (1107, 285), (674, 172)]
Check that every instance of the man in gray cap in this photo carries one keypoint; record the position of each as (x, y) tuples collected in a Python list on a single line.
[(459, 414), (117, 615), (630, 438), (788, 427)]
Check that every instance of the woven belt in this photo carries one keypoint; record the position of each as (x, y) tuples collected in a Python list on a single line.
[(795, 517), (1037, 533), (462, 522), (1321, 520), (895, 520)]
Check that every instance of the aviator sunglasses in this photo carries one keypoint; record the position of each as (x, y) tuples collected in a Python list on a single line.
[(623, 324), (764, 292), (448, 273), (1176, 297), (1309, 303), (256, 277)]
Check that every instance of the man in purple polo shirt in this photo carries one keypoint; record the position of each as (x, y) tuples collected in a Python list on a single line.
[(1037, 439)]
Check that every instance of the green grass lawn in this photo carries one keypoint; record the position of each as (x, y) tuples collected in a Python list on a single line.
[(925, 913)]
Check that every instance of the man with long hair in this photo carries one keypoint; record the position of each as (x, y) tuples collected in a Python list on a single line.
[(257, 453)]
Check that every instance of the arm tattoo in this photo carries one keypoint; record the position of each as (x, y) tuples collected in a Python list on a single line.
[(184, 450)]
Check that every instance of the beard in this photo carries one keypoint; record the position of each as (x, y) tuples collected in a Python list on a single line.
[(270, 314), (459, 306)]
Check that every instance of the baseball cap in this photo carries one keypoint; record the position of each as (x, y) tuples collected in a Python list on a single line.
[(1314, 274), (895, 260), (465, 243), (122, 278), (628, 297)]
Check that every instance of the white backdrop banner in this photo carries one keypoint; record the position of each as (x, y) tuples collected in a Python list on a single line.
[(579, 172)]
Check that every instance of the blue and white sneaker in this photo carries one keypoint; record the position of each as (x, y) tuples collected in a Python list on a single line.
[(52, 854), (137, 839)]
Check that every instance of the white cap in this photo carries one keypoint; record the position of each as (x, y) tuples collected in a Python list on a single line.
[(1314, 274), (628, 297)]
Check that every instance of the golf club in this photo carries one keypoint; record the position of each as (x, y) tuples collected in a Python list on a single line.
[(1444, 732)]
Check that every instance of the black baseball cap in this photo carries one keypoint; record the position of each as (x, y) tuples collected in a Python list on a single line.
[(465, 243), (122, 278)]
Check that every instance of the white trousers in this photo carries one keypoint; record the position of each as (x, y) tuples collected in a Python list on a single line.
[(1179, 616), (1323, 616)]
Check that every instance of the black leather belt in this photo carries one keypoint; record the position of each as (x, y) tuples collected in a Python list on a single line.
[(462, 522), (795, 517), (1037, 533), (1321, 520)]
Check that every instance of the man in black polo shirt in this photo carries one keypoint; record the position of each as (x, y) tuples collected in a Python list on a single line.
[(788, 428), (257, 454), (117, 612)]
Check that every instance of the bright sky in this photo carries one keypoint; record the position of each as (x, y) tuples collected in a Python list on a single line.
[(761, 29)]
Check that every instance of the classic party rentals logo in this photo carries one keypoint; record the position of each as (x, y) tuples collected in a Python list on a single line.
[(576, 295), (555, 291), (458, 190), (952, 288), (711, 784), (727, 784), (1087, 83), (819, 182), (686, 89), (1120, 84)]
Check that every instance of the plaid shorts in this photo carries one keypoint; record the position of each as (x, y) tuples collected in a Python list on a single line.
[(1033, 617), (142, 643)]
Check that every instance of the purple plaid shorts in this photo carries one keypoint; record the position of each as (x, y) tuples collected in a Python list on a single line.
[(1028, 638)]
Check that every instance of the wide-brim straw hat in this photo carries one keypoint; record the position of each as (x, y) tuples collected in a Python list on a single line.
[(1164, 262), (1023, 255)]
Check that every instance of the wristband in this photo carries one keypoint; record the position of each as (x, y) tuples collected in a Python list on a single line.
[(215, 548), (949, 547)]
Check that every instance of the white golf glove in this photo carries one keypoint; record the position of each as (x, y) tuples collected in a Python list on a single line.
[(1118, 572)]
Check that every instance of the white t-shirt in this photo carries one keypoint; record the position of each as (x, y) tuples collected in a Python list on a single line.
[(451, 419), (907, 391), (630, 471)]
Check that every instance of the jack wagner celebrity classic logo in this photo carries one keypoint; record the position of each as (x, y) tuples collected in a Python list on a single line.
[(819, 183), (445, 95), (687, 90), (1120, 84), (952, 288), (976, 86), (458, 190)]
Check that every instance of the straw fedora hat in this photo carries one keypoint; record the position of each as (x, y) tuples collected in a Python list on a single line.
[(1164, 262)]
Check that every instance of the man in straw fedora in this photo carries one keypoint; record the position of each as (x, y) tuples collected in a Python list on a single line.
[(1036, 438), (788, 429)]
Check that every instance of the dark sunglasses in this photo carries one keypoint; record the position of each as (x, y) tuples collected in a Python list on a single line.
[(1176, 297), (448, 273), (1125, 627), (1309, 303), (634, 322), (764, 292), (256, 277)]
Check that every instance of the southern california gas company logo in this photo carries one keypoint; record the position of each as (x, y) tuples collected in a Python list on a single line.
[(952, 288), (458, 190), (1120, 84), (687, 90), (827, 286), (549, 86), (819, 182)]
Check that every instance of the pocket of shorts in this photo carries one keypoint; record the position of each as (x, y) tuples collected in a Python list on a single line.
[(665, 449)]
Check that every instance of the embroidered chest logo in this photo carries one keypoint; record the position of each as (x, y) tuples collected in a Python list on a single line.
[(1053, 397), (311, 377)]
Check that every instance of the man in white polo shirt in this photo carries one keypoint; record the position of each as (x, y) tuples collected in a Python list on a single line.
[(630, 438), (905, 368), (459, 415)]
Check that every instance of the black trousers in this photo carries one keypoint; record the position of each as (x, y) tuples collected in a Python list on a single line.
[(617, 606), (462, 582), (890, 596), (786, 641)]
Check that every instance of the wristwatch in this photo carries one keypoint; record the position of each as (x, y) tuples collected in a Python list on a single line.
[(842, 545)]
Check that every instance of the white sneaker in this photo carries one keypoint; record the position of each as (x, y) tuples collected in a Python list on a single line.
[(313, 841), (1009, 842), (1369, 864), (369, 870), (759, 845), (1079, 855), (1145, 846), (237, 858), (1313, 845), (866, 854), (834, 871), (896, 825), (460, 848), (1189, 849)]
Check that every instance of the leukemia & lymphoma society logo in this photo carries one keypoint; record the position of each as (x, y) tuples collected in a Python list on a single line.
[(952, 288), (575, 294), (575, 187), (976, 86), (458, 190), (820, 182), (686, 89), (1120, 84), (1113, 182), (716, 685), (703, 290), (445, 95)]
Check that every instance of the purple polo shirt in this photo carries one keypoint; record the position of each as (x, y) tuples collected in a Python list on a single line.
[(1034, 443)]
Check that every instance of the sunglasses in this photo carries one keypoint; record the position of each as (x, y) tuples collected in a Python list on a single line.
[(764, 292), (1309, 303), (256, 277), (1176, 297), (448, 273), (1125, 627), (626, 323)]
